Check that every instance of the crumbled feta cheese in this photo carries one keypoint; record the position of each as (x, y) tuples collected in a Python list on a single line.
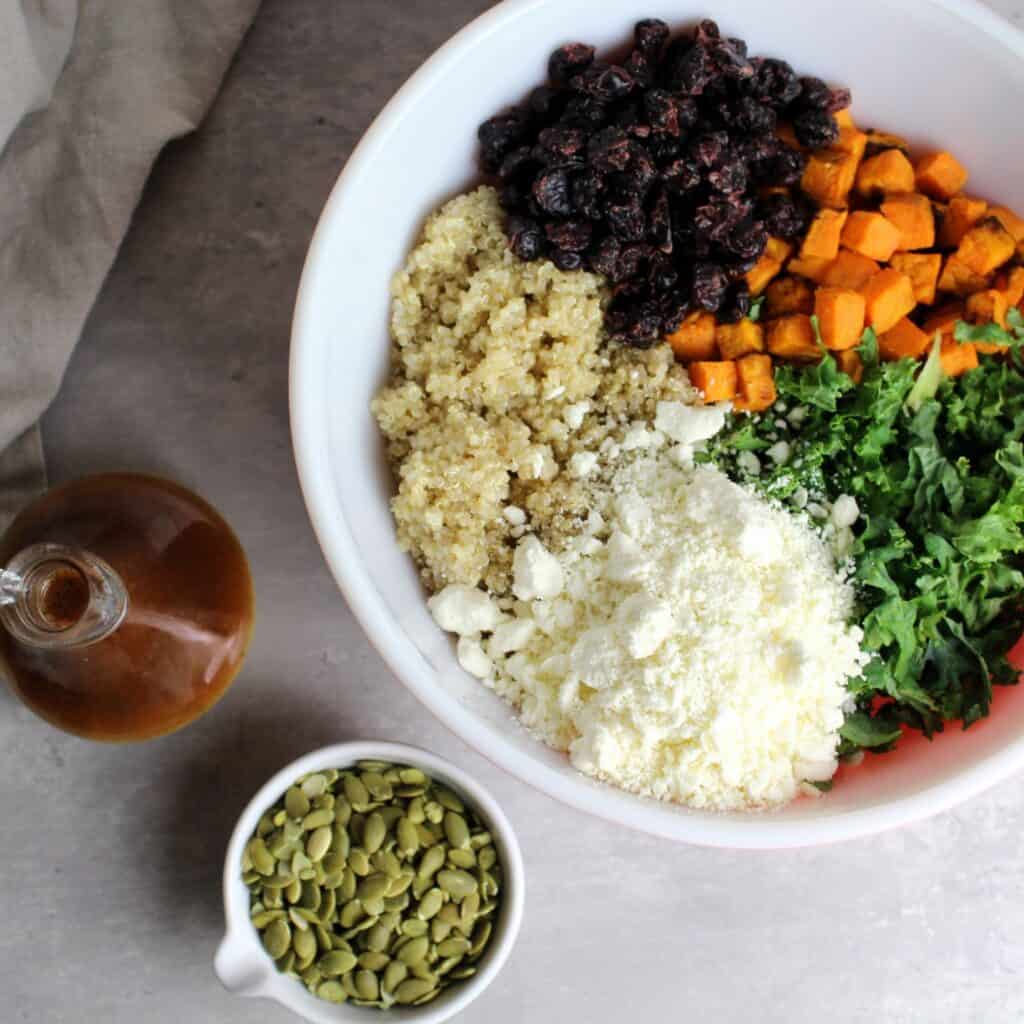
[(510, 636), (647, 622), (801, 497), (690, 424), (464, 610), (816, 511), (575, 413), (536, 572), (797, 415), (845, 511), (514, 515), (472, 657), (779, 453), (582, 464), (749, 463)]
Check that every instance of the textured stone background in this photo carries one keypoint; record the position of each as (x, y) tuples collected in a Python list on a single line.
[(112, 855)]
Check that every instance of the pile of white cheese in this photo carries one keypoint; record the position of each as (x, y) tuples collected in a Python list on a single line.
[(692, 644)]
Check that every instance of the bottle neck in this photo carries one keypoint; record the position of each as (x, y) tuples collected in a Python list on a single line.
[(56, 597)]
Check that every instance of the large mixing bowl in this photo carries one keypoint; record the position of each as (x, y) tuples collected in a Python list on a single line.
[(939, 71)]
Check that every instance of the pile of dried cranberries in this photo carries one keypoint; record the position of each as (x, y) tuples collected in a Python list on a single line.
[(659, 172)]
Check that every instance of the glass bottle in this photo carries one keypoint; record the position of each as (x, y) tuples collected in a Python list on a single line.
[(126, 606)]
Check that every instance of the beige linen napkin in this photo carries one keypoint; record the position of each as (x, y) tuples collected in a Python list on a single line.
[(139, 73)]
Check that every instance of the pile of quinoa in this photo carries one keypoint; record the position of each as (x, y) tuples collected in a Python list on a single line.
[(503, 387)]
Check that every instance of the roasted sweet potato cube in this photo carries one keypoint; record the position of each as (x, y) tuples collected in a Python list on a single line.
[(962, 213), (912, 213), (888, 171), (850, 363), (812, 269), (829, 176), (943, 321), (850, 270), (788, 295), (958, 278), (822, 239), (987, 307), (715, 380), (792, 337), (904, 340), (923, 269), (772, 260), (851, 139), (695, 339), (739, 339), (872, 235), (840, 313), (986, 247), (756, 384), (940, 175), (1012, 286), (889, 297), (957, 357), (1009, 220)]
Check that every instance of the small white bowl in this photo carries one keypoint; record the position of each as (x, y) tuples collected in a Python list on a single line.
[(245, 969)]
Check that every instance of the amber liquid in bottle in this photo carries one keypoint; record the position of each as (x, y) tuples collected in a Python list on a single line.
[(136, 616)]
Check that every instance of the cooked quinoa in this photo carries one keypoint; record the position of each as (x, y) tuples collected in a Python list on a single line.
[(494, 363)]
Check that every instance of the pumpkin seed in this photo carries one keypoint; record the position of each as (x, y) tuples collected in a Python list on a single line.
[(463, 972), (414, 927), (439, 930), (313, 785), (456, 830), (305, 945), (311, 896), (355, 792), (422, 970), (277, 938), (373, 961), (333, 880), (431, 862), (296, 803), (351, 913), (481, 936), (457, 883), (348, 887), (462, 858), (378, 938), (435, 812), (317, 819), (348, 983), (415, 810), (447, 964), (453, 947), (468, 910), (414, 950), (487, 858), (358, 861), (260, 856), (318, 843), (400, 884), (342, 810), (370, 765), (299, 922), (264, 917), (386, 861), (286, 963), (394, 974), (293, 891), (323, 938), (412, 989), (335, 963), (430, 904), (331, 992), (377, 786), (328, 905), (278, 881), (324, 802), (374, 832), (311, 977)]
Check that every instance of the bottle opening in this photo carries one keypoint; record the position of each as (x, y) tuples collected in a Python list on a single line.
[(63, 596)]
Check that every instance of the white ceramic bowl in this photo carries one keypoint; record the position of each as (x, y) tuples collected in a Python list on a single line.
[(939, 71), (245, 969)]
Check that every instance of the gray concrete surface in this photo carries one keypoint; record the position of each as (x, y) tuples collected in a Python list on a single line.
[(111, 855)]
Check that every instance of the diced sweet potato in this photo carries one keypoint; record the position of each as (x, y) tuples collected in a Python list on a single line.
[(717, 381), (772, 260), (962, 213), (943, 321), (1009, 220), (940, 175), (957, 358), (958, 278), (923, 269), (851, 139), (986, 247), (912, 213), (739, 339), (872, 235), (1012, 286), (812, 269), (850, 270), (849, 362), (840, 313), (788, 295), (888, 171), (756, 384), (792, 337), (822, 239), (904, 340), (987, 307), (829, 176), (695, 339), (889, 297)]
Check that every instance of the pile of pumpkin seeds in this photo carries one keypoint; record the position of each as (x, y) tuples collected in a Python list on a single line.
[(373, 884)]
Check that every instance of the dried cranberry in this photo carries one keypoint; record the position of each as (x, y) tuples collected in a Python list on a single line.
[(814, 94), (565, 259), (515, 196), (638, 67), (551, 191), (584, 112), (682, 175), (716, 218), (748, 116), (604, 82), (708, 33), (664, 149), (728, 177), (747, 240), (786, 167), (662, 276), (546, 103), (559, 146), (815, 129), (650, 36), (524, 237), (783, 216), (570, 235), (517, 163), (691, 71), (660, 223), (604, 258), (569, 60), (736, 304), (639, 324), (774, 82), (587, 192), (661, 109), (839, 99), (756, 148), (710, 148), (500, 134), (626, 220), (674, 307), (709, 286)]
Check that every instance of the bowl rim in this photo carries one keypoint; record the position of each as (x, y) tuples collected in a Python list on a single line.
[(238, 933), (342, 552)]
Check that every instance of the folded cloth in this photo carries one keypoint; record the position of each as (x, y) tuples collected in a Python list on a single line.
[(138, 74)]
